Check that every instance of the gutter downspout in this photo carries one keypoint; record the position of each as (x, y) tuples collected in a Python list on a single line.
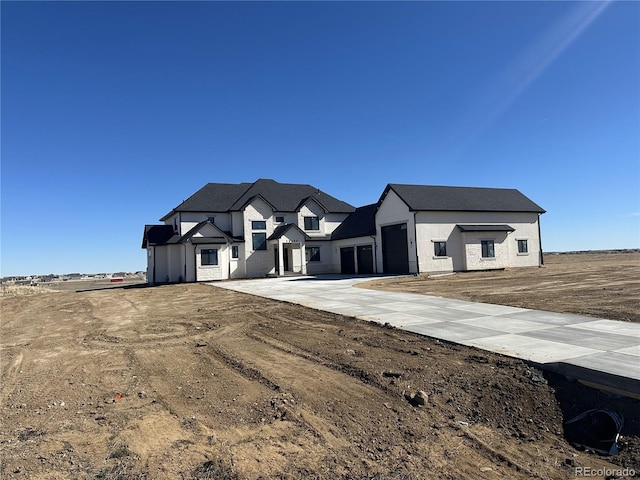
[(154, 265), (540, 242), (415, 242)]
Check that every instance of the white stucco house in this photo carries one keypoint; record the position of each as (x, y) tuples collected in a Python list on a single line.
[(265, 228)]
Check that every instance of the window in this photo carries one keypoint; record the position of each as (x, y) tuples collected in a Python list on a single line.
[(259, 241), (234, 251), (487, 249), (209, 256), (258, 225), (311, 223), (312, 254), (211, 219), (440, 249), (523, 246), (279, 219)]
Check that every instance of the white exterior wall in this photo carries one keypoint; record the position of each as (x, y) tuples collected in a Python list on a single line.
[(150, 264), (188, 220), (464, 249), (259, 263), (312, 209), (236, 265), (333, 221), (336, 245), (213, 272), (394, 211), (325, 265)]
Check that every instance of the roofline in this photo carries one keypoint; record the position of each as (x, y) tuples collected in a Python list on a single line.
[(244, 205), (390, 187), (311, 197), (286, 229), (198, 226)]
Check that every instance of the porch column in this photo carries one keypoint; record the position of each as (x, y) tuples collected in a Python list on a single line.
[(303, 263), (280, 258)]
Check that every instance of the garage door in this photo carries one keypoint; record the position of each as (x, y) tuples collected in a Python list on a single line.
[(347, 260), (365, 259), (395, 251)]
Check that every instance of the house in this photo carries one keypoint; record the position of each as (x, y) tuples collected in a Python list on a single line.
[(268, 228)]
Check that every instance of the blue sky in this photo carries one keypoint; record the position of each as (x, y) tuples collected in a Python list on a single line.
[(114, 112)]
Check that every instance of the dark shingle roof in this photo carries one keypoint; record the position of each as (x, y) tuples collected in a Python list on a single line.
[(283, 197), (156, 235), (360, 223), (471, 199), (282, 229), (486, 228)]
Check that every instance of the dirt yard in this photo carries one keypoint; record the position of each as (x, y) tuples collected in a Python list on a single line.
[(604, 285), (196, 382)]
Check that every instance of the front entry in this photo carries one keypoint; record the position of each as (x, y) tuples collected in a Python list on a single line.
[(395, 250), (347, 261)]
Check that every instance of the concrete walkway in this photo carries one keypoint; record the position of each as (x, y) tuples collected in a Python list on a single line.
[(602, 353)]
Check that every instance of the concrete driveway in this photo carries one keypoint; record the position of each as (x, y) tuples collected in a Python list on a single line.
[(602, 353)]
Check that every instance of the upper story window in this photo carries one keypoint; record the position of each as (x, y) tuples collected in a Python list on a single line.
[(279, 219), (258, 225), (311, 223)]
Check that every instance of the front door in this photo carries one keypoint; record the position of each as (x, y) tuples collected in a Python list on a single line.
[(347, 261), (285, 259)]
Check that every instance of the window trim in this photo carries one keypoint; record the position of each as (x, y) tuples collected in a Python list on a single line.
[(526, 245), (235, 252), (263, 245), (436, 254), (202, 256), (493, 249), (309, 255), (311, 218)]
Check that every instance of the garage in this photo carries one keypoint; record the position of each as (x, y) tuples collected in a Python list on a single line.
[(395, 251), (364, 254), (347, 260)]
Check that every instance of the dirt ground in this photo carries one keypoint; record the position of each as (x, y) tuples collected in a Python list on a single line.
[(195, 382), (604, 285)]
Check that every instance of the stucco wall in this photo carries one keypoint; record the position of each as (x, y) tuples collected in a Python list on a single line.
[(213, 272), (312, 209), (463, 250), (336, 245), (394, 211), (325, 265), (188, 220), (259, 263)]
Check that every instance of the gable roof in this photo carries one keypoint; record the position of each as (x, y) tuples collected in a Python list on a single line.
[(283, 197), (282, 229), (157, 235), (469, 199), (360, 223)]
